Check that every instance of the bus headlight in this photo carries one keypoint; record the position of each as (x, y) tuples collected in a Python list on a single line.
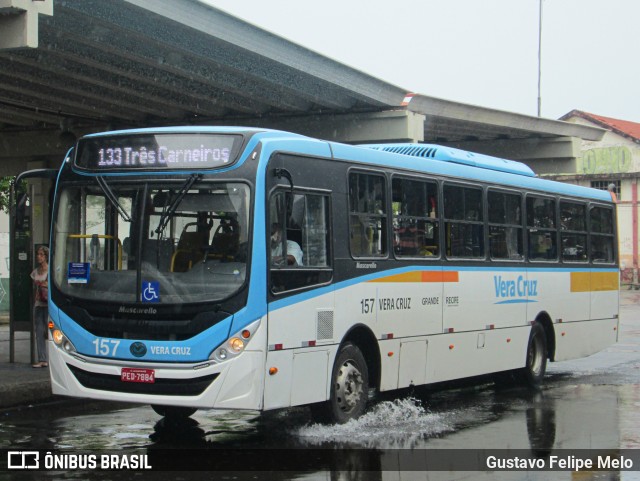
[(235, 344), (59, 339)]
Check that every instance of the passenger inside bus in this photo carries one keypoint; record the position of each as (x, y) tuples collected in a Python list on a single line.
[(294, 252)]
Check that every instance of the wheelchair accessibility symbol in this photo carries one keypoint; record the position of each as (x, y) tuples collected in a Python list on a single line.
[(150, 291)]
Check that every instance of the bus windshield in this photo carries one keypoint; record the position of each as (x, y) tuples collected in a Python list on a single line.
[(150, 242)]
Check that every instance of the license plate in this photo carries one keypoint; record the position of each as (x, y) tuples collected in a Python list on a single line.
[(131, 374)]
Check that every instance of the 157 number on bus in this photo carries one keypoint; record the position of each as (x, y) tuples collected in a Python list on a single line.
[(106, 347), (367, 306)]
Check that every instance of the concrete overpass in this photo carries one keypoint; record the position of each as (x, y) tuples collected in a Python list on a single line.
[(69, 67)]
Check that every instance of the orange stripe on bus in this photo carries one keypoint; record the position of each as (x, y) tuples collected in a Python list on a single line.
[(421, 276), (594, 281)]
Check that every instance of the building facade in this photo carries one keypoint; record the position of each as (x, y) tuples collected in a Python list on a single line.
[(613, 160)]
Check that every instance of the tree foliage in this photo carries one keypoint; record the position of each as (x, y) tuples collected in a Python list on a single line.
[(5, 192)]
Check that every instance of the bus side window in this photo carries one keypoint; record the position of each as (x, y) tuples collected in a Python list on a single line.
[(415, 222), (602, 235), (505, 225), (367, 215), (573, 231), (464, 223), (542, 228)]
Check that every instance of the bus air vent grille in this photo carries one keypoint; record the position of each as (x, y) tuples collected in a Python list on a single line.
[(413, 150), (325, 324)]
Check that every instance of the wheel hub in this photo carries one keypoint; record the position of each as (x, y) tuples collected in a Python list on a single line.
[(348, 386)]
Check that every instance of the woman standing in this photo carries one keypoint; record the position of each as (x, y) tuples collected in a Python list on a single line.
[(40, 307)]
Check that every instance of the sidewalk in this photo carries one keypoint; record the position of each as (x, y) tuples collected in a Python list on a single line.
[(19, 382)]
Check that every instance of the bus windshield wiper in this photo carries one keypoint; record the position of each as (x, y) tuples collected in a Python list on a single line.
[(166, 215), (112, 198)]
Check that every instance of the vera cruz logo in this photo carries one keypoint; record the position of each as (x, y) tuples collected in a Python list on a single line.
[(138, 349), (515, 291)]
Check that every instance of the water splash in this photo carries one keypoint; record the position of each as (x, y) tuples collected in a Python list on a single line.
[(398, 424)]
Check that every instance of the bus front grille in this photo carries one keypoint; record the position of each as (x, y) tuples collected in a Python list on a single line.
[(161, 386)]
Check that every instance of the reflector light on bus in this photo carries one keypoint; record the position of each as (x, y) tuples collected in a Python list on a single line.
[(387, 336), (308, 343)]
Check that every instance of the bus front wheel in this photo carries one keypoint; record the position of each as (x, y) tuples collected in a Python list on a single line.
[(349, 388), (536, 363)]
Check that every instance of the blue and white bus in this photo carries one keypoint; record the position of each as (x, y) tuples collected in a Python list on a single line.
[(241, 268)]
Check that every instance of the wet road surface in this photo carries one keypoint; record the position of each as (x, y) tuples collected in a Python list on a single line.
[(591, 403)]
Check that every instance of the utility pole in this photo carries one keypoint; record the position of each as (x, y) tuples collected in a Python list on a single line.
[(540, 60)]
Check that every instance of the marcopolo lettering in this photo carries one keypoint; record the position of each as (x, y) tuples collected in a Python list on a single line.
[(366, 265)]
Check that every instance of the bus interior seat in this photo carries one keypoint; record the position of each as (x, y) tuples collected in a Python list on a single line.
[(158, 253), (190, 248), (226, 240)]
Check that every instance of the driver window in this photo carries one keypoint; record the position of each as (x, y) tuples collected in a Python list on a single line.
[(298, 240)]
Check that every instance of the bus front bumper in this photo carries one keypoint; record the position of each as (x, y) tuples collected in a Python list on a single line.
[(234, 384)]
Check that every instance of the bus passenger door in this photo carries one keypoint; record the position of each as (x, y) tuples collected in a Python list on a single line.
[(301, 308)]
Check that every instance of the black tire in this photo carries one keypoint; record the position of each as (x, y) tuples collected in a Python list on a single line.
[(173, 412), (349, 388), (536, 362)]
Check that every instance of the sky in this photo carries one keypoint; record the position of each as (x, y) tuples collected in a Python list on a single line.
[(479, 52)]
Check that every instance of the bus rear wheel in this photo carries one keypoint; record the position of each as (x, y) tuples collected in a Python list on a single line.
[(173, 412), (536, 363), (349, 388)]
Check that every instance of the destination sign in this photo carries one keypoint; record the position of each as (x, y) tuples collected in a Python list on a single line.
[(158, 152)]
